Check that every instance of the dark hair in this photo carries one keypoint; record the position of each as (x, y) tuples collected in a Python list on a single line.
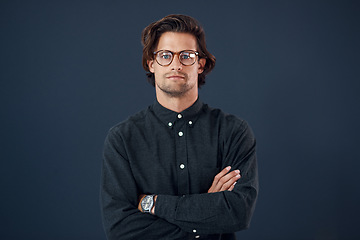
[(175, 23)]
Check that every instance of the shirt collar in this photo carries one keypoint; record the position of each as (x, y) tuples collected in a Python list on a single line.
[(168, 116)]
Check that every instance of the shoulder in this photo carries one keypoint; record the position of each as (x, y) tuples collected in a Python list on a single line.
[(230, 126), (234, 132), (225, 119)]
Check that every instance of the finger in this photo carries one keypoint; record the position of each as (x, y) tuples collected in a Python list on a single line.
[(232, 187), (225, 182), (230, 182), (218, 177), (219, 185), (221, 174), (214, 186), (227, 177)]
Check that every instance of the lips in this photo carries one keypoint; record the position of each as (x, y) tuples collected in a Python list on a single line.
[(175, 76)]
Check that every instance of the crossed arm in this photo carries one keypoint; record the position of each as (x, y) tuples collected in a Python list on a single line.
[(225, 208), (223, 181)]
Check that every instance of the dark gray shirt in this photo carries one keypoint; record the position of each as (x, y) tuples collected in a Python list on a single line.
[(176, 156)]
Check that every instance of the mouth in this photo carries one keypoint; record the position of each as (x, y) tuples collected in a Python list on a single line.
[(176, 77)]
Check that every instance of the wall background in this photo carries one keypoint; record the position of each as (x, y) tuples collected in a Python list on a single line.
[(69, 70)]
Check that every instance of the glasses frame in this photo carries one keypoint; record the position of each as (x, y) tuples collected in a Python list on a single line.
[(173, 55)]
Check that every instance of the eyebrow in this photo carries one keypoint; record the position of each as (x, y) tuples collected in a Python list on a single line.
[(175, 52)]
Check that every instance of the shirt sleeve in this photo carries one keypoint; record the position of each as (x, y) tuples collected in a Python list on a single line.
[(119, 200), (225, 211)]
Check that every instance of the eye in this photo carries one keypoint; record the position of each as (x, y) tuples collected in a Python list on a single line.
[(185, 55), (165, 55)]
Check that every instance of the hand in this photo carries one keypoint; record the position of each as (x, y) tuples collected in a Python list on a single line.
[(225, 180)]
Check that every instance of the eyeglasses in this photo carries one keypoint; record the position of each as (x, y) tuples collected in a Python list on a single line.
[(165, 57)]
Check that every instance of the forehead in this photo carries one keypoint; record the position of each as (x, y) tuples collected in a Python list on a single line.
[(177, 42)]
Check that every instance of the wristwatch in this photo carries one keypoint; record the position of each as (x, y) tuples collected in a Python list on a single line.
[(147, 203)]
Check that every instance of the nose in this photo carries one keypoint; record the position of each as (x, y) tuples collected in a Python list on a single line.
[(176, 64)]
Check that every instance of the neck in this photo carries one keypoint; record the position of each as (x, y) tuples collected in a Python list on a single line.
[(176, 104)]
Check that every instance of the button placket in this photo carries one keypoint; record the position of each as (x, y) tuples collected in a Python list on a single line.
[(179, 128), (181, 132), (197, 236)]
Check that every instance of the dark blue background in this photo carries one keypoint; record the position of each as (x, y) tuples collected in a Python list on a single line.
[(72, 69)]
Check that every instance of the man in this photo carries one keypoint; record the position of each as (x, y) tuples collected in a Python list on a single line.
[(178, 169)]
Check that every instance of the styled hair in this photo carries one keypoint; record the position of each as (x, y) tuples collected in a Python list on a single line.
[(175, 23)]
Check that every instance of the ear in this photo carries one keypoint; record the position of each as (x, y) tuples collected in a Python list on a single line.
[(201, 65), (150, 63)]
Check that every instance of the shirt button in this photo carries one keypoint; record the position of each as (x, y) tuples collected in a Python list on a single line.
[(181, 134), (190, 122), (182, 166), (197, 236), (194, 231), (170, 124), (179, 116)]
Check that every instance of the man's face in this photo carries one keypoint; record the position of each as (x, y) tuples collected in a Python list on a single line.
[(176, 79)]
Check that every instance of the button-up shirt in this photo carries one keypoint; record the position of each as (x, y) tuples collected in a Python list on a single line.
[(176, 156)]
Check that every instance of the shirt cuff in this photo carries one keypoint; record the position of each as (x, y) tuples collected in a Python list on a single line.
[(165, 206)]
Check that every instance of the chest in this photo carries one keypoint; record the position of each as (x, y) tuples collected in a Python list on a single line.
[(181, 159)]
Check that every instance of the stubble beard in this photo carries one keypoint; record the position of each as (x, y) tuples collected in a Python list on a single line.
[(175, 91)]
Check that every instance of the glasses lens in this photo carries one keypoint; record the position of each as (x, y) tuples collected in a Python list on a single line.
[(164, 57), (187, 57)]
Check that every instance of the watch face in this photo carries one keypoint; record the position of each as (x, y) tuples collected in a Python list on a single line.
[(147, 203)]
